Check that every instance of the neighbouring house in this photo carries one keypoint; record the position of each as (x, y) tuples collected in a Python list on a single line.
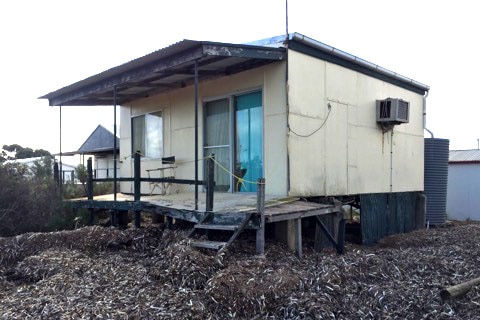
[(100, 145), (313, 120), (463, 201), (68, 171)]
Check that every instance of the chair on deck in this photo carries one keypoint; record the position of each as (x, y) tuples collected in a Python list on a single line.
[(168, 163)]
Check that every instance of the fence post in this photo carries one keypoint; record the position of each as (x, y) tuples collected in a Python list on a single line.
[(56, 176), (261, 212), (89, 179), (210, 184), (136, 186), (90, 188)]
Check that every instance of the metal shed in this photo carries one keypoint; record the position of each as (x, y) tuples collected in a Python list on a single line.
[(463, 201)]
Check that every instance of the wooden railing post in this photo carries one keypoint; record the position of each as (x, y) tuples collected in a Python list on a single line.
[(89, 179), (261, 212), (210, 184), (90, 188), (56, 176), (136, 186)]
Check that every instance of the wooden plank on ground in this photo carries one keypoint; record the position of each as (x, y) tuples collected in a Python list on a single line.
[(207, 226), (214, 245)]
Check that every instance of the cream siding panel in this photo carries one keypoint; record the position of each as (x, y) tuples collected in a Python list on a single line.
[(340, 83), (350, 154), (336, 160), (371, 170), (275, 129), (308, 99), (407, 158), (307, 111), (307, 159)]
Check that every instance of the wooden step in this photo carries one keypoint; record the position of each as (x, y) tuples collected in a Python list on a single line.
[(215, 245), (229, 227)]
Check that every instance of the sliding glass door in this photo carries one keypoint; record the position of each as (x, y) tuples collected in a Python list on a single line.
[(234, 133)]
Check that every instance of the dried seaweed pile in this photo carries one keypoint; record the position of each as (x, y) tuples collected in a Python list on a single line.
[(148, 273)]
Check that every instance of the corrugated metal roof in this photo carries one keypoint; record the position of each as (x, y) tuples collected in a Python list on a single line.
[(146, 59), (142, 75), (472, 155)]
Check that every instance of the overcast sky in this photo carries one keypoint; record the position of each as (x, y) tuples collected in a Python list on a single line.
[(46, 45)]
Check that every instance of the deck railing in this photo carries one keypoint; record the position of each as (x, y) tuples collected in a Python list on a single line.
[(137, 179)]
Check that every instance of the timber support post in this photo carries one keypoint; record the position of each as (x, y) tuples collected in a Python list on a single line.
[(90, 188), (56, 176), (336, 234), (341, 232), (260, 239), (210, 184), (339, 224), (136, 186), (298, 237)]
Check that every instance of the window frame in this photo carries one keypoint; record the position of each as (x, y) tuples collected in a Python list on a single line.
[(232, 123), (144, 150)]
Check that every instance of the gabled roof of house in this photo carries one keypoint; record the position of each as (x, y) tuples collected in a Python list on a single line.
[(173, 67), (100, 140), (464, 156)]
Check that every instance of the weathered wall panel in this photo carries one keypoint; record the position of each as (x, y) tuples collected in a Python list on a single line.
[(350, 153)]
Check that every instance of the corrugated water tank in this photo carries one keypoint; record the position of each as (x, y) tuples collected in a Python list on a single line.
[(435, 179)]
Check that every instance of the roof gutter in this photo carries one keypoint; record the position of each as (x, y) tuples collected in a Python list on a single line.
[(356, 60)]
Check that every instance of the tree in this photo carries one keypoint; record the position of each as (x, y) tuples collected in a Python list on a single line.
[(3, 156), (42, 169), (22, 153), (82, 175)]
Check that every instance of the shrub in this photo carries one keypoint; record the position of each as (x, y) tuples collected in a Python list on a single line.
[(30, 204)]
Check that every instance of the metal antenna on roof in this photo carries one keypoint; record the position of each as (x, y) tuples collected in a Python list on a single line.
[(286, 20)]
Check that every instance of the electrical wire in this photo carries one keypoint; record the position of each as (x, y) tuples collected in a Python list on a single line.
[(316, 130)]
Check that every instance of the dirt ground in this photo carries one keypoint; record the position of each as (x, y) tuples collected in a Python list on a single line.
[(152, 273)]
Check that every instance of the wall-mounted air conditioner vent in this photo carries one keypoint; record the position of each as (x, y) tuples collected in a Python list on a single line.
[(393, 111)]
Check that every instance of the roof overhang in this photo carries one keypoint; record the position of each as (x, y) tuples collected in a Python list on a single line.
[(163, 70)]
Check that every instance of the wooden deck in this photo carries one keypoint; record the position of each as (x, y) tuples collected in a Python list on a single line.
[(232, 212), (215, 211), (276, 208)]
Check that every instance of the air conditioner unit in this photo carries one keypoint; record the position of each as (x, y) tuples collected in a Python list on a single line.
[(393, 111)]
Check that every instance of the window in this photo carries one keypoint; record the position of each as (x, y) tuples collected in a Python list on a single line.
[(147, 135)]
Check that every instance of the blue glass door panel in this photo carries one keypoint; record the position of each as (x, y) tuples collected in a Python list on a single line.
[(248, 140)]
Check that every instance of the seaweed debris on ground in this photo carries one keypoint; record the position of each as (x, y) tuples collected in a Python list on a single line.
[(151, 273)]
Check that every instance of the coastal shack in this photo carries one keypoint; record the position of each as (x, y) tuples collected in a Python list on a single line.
[(99, 145), (314, 122)]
